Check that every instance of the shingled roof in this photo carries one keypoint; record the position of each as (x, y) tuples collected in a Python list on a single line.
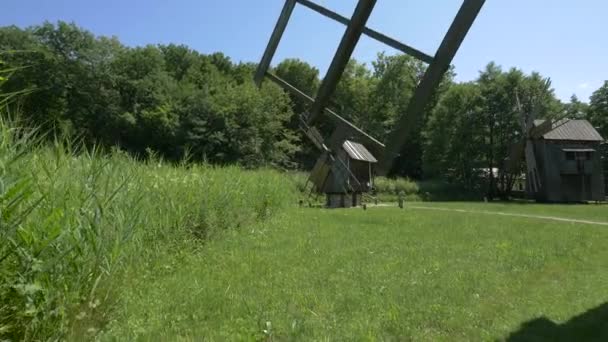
[(573, 130), (358, 152)]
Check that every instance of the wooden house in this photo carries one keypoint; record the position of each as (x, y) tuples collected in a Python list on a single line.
[(569, 162)]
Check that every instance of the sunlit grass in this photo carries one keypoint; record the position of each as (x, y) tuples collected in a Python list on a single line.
[(380, 274), (590, 212), (74, 220)]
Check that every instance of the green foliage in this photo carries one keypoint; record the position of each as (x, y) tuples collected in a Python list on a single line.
[(73, 221), (398, 76), (180, 103), (453, 135), (302, 76), (598, 109), (396, 186), (577, 109), (168, 99)]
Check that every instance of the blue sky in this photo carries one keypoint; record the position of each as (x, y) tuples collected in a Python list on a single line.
[(563, 39)]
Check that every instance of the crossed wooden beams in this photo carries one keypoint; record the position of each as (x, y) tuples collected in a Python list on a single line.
[(355, 27)]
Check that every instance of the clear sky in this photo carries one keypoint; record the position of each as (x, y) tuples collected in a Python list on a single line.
[(563, 39)]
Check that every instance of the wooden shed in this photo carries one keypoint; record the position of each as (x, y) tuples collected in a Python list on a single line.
[(344, 176), (569, 162)]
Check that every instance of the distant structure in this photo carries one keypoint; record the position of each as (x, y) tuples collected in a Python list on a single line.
[(345, 178), (570, 162), (564, 162)]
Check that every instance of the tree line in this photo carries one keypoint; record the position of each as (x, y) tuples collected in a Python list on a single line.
[(178, 103)]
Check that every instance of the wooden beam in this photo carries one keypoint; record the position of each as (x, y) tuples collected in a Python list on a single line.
[(412, 117), (331, 114), (342, 56), (395, 44), (275, 38)]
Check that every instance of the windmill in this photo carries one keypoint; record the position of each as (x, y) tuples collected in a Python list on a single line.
[(558, 155), (332, 171)]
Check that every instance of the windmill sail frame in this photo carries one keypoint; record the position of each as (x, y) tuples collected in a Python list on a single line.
[(355, 28)]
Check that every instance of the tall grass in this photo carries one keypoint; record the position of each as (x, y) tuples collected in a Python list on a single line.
[(73, 220), (396, 186)]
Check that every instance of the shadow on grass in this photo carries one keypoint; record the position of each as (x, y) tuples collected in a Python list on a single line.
[(589, 326)]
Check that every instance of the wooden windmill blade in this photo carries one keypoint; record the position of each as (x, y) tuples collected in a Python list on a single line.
[(532, 167), (543, 128), (516, 154), (525, 148), (340, 121), (355, 27), (413, 115), (320, 172)]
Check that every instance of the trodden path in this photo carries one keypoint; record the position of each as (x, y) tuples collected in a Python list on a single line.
[(500, 213)]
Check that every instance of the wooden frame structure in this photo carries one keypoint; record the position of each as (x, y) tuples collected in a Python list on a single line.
[(355, 27)]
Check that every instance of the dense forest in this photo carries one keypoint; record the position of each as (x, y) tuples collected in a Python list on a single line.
[(176, 103)]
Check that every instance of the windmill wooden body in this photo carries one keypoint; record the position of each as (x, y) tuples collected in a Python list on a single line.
[(563, 162), (339, 171)]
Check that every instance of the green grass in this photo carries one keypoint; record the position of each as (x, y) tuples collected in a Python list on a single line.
[(380, 274), (591, 212), (99, 245), (75, 222)]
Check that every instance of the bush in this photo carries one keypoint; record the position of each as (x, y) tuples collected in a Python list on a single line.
[(395, 186), (72, 220), (440, 190)]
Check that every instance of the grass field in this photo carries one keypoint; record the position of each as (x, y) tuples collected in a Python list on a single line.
[(380, 274), (591, 212), (98, 245), (74, 222)]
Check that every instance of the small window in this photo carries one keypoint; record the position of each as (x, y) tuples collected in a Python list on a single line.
[(588, 155), (570, 156)]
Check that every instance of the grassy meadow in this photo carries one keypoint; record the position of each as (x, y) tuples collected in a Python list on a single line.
[(75, 223), (380, 274), (590, 212), (102, 246)]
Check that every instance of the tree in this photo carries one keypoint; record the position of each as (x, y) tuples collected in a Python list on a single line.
[(166, 98), (598, 109), (397, 78), (178, 59), (174, 100), (454, 134), (576, 109), (354, 95), (598, 116), (242, 125), (302, 76), (306, 78)]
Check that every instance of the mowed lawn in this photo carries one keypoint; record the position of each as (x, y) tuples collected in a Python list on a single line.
[(380, 274), (588, 212)]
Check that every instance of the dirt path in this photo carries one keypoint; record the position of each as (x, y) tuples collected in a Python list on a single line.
[(500, 213)]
